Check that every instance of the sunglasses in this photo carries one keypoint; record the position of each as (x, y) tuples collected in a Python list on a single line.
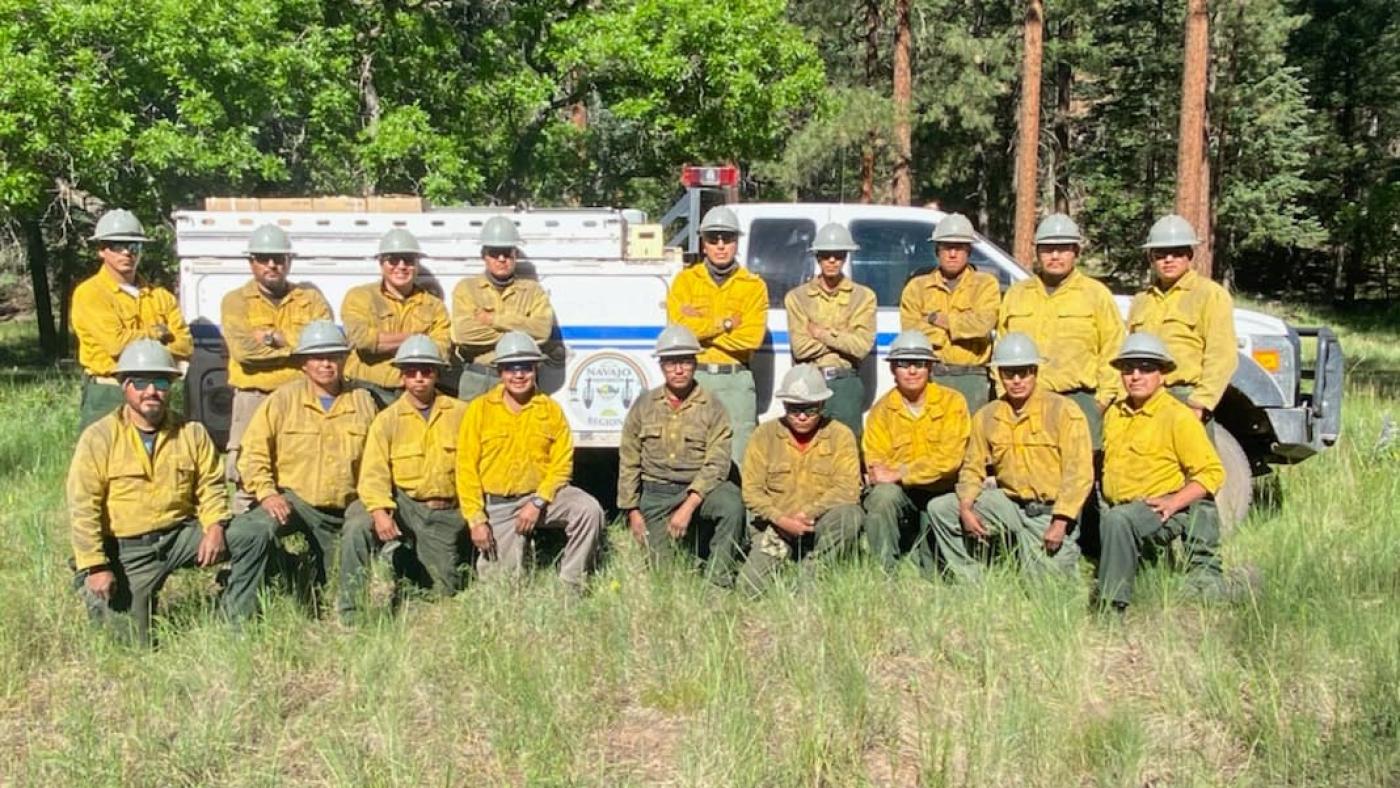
[(1144, 366), (517, 366), (831, 256), (142, 383), (498, 251), (721, 238), (809, 409), (132, 248), (272, 260), (910, 364), (683, 361), (1178, 251), (400, 261), (1012, 373), (418, 370)]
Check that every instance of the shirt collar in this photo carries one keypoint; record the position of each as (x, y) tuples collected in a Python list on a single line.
[(1149, 408), (115, 285), (814, 287), (1187, 282)]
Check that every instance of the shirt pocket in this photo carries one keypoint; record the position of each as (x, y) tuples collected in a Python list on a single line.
[(1073, 335), (780, 479), (1179, 330), (1020, 317), (407, 462), (129, 491)]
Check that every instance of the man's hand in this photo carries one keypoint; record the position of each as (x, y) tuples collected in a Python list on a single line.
[(1200, 412), (485, 317), (638, 525), (691, 311), (211, 546), (1055, 534), (971, 523), (793, 525), (1164, 505), (680, 518), (385, 529), (162, 333), (735, 321), (481, 539), (819, 332), (883, 474), (526, 517), (277, 506), (101, 583)]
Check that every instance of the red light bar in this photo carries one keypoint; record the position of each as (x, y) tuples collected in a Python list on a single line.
[(727, 175)]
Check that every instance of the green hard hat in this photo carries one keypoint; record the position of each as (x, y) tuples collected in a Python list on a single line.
[(499, 231), (517, 346), (1143, 345), (954, 228), (269, 239), (1016, 350), (321, 337), (119, 224), (834, 237), (399, 241), (803, 384), (911, 345), (676, 341), (146, 357), (1171, 232), (418, 349), (719, 219), (1058, 228)]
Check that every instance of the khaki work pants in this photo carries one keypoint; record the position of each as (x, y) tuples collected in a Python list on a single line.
[(572, 511)]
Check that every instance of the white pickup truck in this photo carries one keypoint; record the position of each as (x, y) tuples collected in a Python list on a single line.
[(607, 276)]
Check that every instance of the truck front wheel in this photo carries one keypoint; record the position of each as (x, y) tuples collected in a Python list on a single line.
[(1234, 498)]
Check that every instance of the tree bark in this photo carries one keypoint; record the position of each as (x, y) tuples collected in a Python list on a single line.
[(872, 77), (901, 185), (1192, 167), (1028, 145), (37, 256)]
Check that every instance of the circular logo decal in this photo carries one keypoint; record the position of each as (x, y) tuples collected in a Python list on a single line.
[(603, 388)]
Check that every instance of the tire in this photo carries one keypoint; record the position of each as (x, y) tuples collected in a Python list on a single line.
[(1234, 498)]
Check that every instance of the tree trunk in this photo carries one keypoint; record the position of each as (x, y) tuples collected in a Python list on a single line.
[(901, 185), (1028, 146), (872, 77), (1064, 89), (1192, 168), (37, 257)]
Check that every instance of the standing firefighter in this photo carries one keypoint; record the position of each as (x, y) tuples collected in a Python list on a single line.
[(801, 480), (831, 322), (726, 307), (146, 497), (302, 450), (408, 484), (1193, 316), (379, 317), (1159, 475), (515, 458), (957, 310), (487, 307), (914, 442), (262, 322), (1071, 318), (673, 464), (113, 308), (1036, 443)]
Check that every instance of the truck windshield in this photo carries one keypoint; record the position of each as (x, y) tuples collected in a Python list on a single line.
[(778, 253), (890, 252)]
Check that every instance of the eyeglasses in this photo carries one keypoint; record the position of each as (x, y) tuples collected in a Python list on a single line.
[(721, 237), (418, 370), (132, 248), (1175, 251), (402, 261), (517, 366), (805, 409), (141, 383), (1012, 373), (1142, 366), (910, 364), (498, 251)]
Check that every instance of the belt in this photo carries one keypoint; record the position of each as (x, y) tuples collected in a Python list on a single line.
[(939, 368), (1034, 508), (437, 504), (833, 373), (494, 500), (146, 539), (665, 488), (720, 369)]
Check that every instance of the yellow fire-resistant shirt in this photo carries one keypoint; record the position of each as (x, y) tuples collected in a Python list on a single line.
[(505, 453), (1195, 318), (780, 479), (849, 314), (292, 443), (1043, 453), (743, 299), (107, 318), (688, 445), (928, 448), (1077, 329), (372, 309), (521, 305), (251, 364), (116, 489), (407, 452), (971, 309), (1156, 450)]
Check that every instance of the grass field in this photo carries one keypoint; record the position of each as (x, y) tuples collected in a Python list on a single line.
[(655, 678)]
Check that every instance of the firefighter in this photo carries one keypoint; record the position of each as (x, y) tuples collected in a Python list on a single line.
[(801, 481), (1160, 473), (1193, 316), (261, 323), (487, 307), (1036, 443), (379, 317), (114, 307), (146, 497), (673, 467), (1071, 318), (831, 323), (726, 307), (515, 458), (957, 310), (302, 450), (914, 443), (408, 484)]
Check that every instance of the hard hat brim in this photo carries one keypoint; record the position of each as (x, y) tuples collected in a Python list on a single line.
[(834, 248), (420, 361), (955, 239), (1167, 364), (810, 399), (321, 350), (911, 356), (1036, 362), (518, 357), (150, 369), (120, 237), (675, 353), (1171, 244)]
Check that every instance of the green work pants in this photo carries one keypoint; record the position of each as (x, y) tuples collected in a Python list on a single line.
[(975, 387), (474, 382), (1011, 526), (735, 391), (321, 527), (142, 564), (98, 399), (433, 546), (847, 402), (895, 525), (716, 534), (837, 534), (1131, 530)]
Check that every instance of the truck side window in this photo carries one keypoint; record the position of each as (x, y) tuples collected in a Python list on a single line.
[(890, 252), (778, 253), (984, 263)]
